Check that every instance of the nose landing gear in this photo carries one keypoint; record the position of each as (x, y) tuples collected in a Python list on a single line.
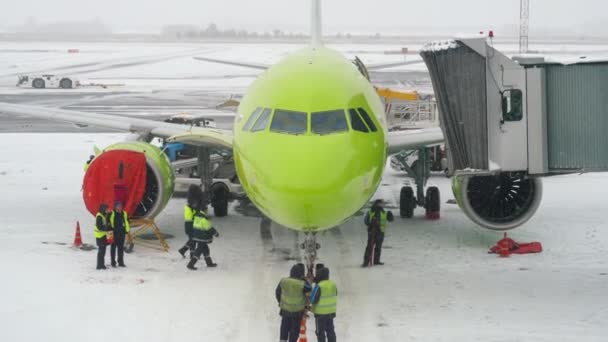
[(310, 247)]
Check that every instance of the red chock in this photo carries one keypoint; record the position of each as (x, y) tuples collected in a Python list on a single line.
[(432, 215), (504, 246)]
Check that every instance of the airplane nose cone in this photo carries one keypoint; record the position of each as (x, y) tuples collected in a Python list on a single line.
[(312, 182)]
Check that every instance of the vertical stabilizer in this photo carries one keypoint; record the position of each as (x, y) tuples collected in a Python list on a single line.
[(316, 33)]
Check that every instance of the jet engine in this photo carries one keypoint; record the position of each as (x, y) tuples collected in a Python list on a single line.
[(136, 173), (500, 201)]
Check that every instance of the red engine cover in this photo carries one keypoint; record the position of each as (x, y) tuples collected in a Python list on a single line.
[(102, 183)]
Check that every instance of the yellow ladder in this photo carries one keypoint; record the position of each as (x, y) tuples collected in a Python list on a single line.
[(140, 226)]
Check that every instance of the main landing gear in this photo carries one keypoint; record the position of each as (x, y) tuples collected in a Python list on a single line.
[(218, 194), (420, 171)]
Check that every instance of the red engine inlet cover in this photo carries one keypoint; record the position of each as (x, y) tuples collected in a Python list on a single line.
[(107, 181)]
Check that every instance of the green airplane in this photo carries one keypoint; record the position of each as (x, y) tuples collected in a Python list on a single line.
[(310, 137), (309, 141), (310, 144)]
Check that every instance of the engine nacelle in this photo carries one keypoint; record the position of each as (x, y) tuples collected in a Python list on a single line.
[(150, 190), (499, 201)]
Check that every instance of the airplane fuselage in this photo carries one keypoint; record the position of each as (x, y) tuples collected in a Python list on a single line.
[(305, 150)]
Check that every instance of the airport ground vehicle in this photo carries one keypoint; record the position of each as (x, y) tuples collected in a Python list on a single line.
[(47, 81)]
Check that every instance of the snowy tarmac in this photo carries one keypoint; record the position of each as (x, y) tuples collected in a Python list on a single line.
[(152, 80), (438, 284)]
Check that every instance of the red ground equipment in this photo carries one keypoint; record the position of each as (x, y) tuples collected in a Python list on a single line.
[(507, 246), (110, 237), (504, 246), (115, 175), (121, 190)]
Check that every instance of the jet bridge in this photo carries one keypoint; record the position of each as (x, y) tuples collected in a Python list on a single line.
[(509, 121), (529, 114)]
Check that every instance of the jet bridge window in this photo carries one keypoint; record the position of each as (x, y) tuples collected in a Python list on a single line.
[(262, 122), (332, 121), (368, 120), (254, 116), (286, 121), (512, 105), (356, 122)]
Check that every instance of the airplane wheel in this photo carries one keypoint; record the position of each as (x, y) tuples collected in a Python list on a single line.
[(38, 83), (65, 83), (219, 202), (432, 202), (407, 202)]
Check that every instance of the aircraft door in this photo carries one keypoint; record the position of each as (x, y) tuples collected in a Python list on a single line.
[(507, 117)]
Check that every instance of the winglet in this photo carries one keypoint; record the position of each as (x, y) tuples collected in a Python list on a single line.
[(316, 32)]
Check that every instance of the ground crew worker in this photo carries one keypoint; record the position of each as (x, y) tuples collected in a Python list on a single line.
[(324, 300), (119, 220), (202, 235), (376, 220), (101, 228), (88, 163), (195, 195), (291, 295)]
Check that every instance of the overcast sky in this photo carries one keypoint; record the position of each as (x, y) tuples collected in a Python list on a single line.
[(339, 15)]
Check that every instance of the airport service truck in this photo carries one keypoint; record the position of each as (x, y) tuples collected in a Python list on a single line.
[(47, 81)]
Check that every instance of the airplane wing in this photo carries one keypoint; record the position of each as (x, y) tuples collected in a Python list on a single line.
[(380, 66), (250, 65), (201, 136), (260, 66), (397, 140), (413, 139)]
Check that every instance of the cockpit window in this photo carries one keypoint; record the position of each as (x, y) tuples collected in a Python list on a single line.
[(262, 122), (356, 121), (331, 121), (252, 118), (368, 120), (285, 121)]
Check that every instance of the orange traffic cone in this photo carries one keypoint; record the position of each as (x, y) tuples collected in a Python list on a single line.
[(77, 238), (303, 330)]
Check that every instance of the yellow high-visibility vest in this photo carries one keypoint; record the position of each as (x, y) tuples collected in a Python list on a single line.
[(201, 222), (383, 219), (328, 302), (125, 218), (188, 213), (292, 295), (100, 233)]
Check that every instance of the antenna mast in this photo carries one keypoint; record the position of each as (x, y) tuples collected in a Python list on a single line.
[(524, 21), (316, 33)]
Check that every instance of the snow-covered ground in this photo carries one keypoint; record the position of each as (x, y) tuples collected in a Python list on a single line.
[(145, 67), (438, 283)]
